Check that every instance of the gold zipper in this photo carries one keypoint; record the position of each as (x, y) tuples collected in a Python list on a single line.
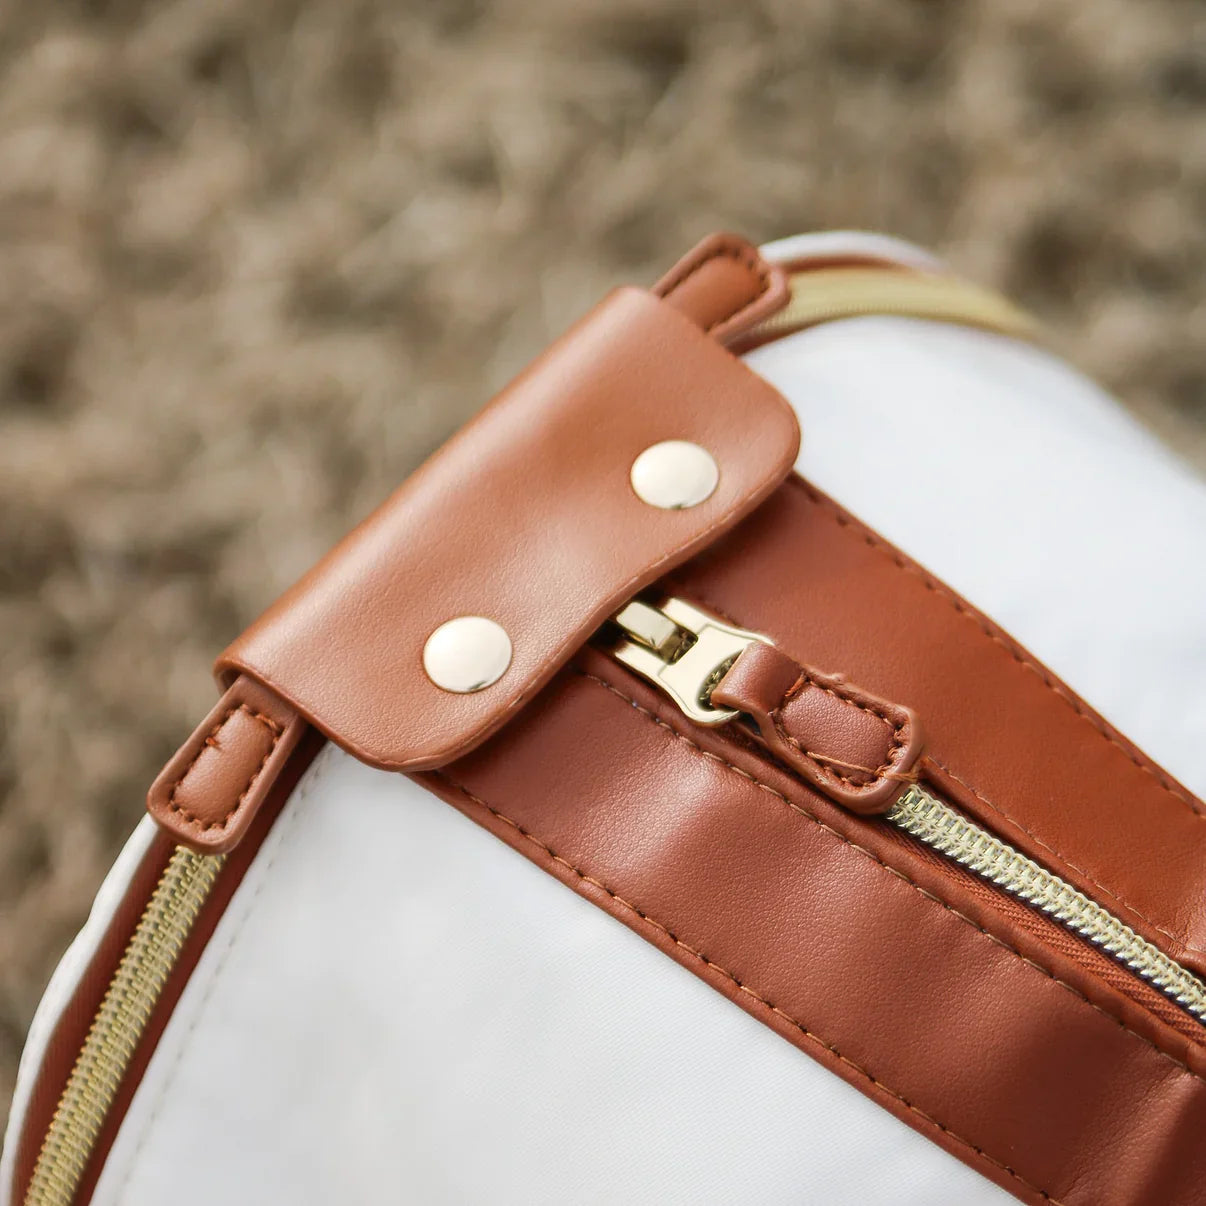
[(825, 294), (817, 295), (684, 652), (943, 829), (119, 1024)]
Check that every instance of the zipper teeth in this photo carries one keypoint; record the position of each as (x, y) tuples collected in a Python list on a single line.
[(823, 294), (119, 1023), (947, 831)]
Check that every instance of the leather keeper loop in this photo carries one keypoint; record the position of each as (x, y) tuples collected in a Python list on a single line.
[(858, 749), (208, 794)]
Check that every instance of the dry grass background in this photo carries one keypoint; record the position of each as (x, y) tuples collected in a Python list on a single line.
[(256, 259)]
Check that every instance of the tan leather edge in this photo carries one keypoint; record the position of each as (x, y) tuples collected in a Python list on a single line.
[(818, 725), (821, 292), (725, 286), (209, 792)]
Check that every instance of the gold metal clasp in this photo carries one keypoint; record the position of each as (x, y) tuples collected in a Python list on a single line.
[(682, 650)]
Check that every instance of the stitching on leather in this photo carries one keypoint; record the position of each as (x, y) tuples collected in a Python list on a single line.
[(931, 584), (745, 502), (1180, 939), (293, 809), (190, 818), (804, 812), (746, 257), (755, 265), (846, 697), (736, 981), (880, 772), (1126, 904)]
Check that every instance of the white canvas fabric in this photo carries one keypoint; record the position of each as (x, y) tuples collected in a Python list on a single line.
[(400, 1008), (397, 1007)]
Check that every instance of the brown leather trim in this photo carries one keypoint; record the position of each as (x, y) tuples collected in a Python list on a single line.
[(971, 1018), (858, 749), (1038, 765), (526, 516), (208, 794), (72, 1026), (724, 286)]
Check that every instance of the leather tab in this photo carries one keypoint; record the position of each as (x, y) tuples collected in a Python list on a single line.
[(208, 794), (724, 286), (526, 517), (859, 750)]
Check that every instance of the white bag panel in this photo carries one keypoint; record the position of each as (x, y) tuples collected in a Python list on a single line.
[(397, 1007), (1029, 491), (843, 244)]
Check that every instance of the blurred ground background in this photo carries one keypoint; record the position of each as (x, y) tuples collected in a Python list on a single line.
[(256, 259)]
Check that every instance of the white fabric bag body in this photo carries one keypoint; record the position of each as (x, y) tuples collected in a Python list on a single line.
[(397, 1007)]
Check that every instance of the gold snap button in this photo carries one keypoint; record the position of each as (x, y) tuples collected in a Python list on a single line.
[(674, 475), (467, 654)]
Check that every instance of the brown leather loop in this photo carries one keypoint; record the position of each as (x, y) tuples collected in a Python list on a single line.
[(525, 517), (858, 749), (725, 286), (210, 791)]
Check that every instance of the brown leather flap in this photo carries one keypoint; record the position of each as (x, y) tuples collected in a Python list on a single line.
[(527, 517)]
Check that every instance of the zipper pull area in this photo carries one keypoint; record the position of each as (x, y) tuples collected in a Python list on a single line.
[(683, 651), (859, 750)]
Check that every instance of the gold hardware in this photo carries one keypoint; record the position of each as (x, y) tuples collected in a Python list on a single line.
[(940, 827), (674, 475), (120, 1021), (825, 294), (467, 654), (682, 650)]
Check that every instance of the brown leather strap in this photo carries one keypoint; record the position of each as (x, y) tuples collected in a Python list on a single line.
[(526, 517), (1010, 744), (1011, 1043), (209, 792), (858, 749), (724, 286)]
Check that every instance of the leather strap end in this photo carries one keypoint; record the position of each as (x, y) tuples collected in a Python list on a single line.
[(725, 286), (209, 793), (859, 750)]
